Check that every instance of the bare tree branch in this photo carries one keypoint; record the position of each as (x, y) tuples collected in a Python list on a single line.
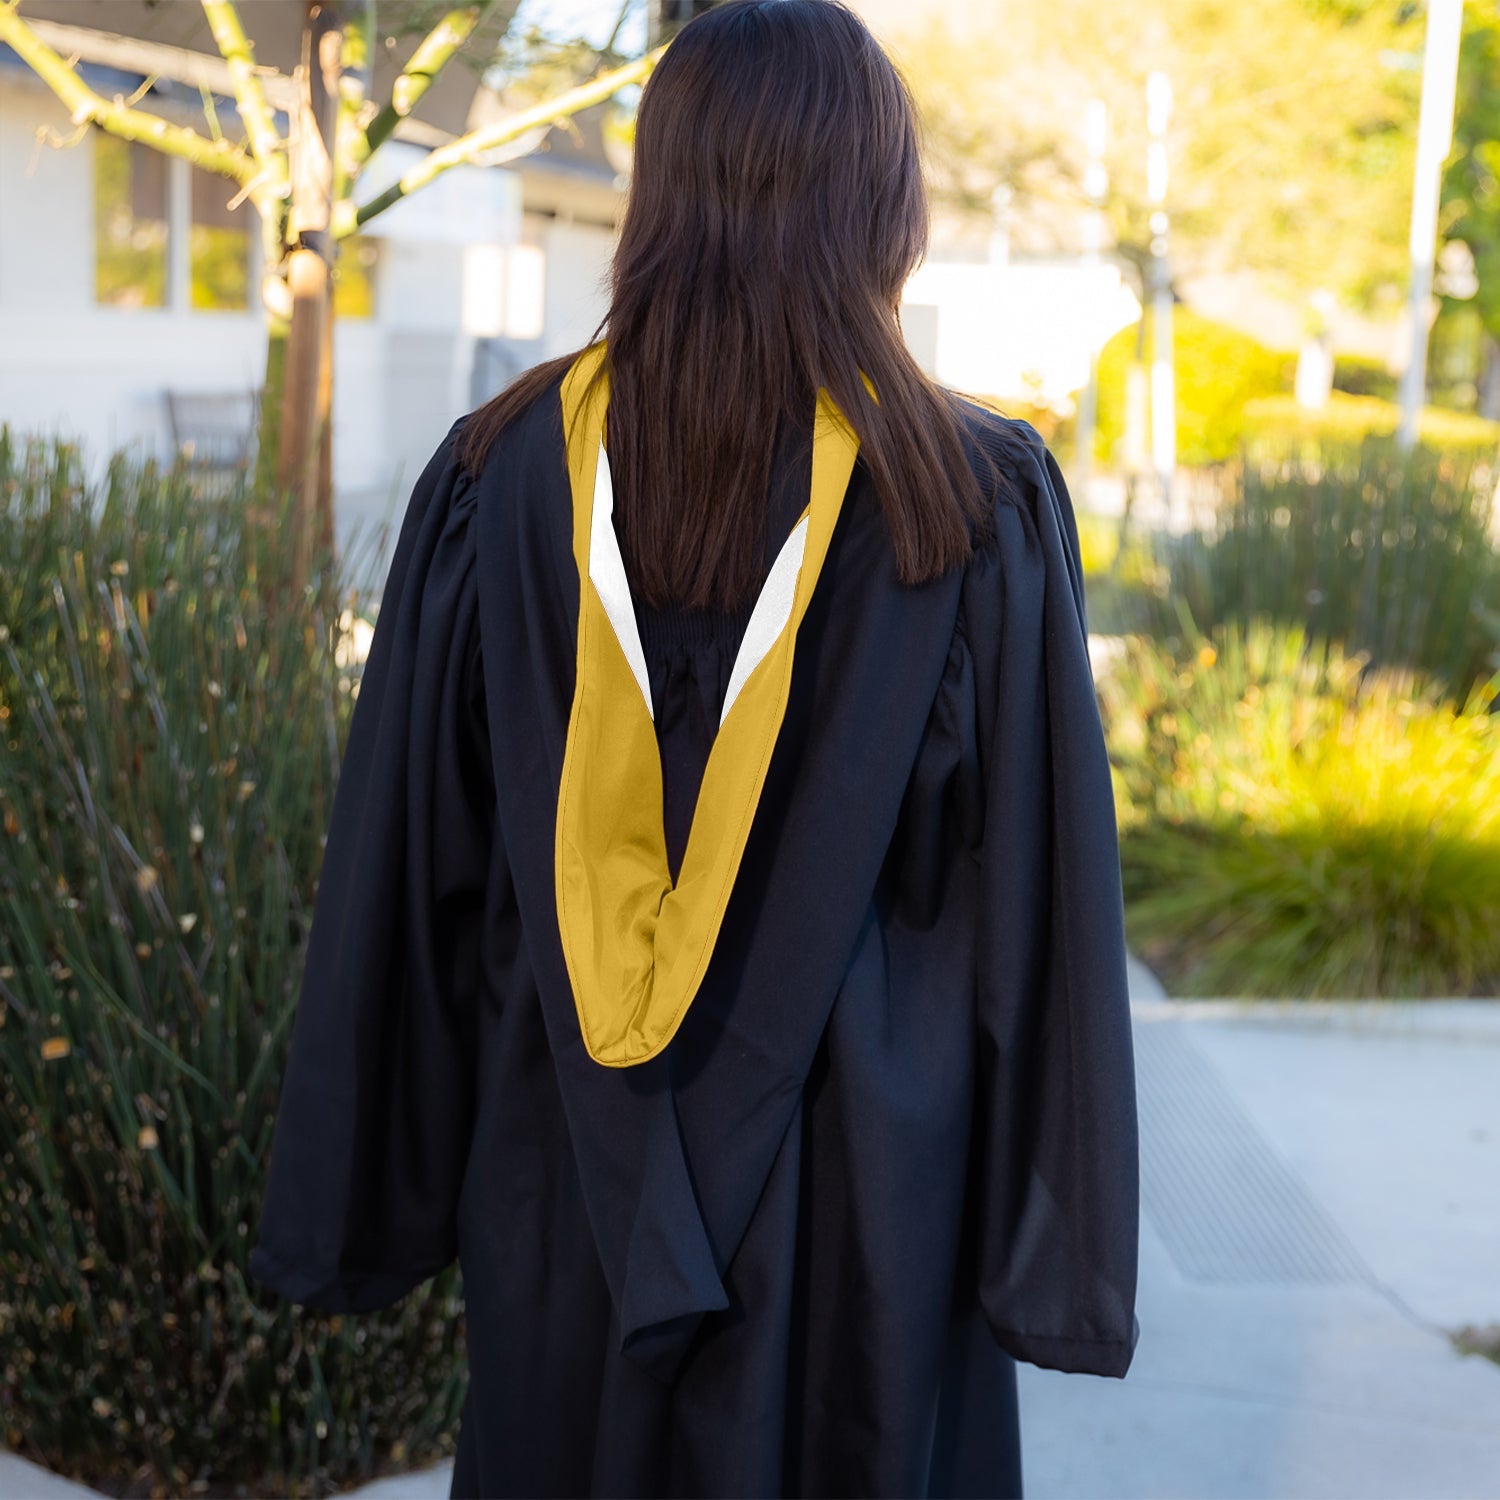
[(468, 147), (250, 97), (614, 33), (433, 54), (355, 64), (118, 118)]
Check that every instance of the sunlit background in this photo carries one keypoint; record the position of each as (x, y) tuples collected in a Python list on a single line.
[(1238, 264)]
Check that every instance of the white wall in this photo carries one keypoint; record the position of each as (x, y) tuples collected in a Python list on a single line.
[(46, 206), (67, 365), (97, 374), (401, 378), (576, 295)]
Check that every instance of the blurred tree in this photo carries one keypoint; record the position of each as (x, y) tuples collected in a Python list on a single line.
[(995, 113), (1291, 142)]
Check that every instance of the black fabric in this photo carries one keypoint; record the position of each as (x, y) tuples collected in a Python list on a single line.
[(892, 1147), (690, 652)]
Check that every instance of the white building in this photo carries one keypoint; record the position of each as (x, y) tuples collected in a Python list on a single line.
[(124, 276)]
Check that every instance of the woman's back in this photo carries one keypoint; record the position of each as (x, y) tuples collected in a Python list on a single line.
[(737, 992), (892, 1144)]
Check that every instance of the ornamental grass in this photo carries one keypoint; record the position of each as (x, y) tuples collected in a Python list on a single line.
[(1394, 554), (170, 731), (1295, 823)]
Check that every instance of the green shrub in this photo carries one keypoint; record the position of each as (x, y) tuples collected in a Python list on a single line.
[(1217, 370), (1295, 824), (1121, 588), (1358, 375), (1347, 419), (1387, 552), (1455, 357), (168, 750)]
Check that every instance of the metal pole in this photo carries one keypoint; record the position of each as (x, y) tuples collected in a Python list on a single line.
[(179, 234), (1163, 393), (1095, 186), (1434, 139), (1000, 201)]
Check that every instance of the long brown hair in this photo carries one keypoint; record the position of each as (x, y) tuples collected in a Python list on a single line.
[(775, 211)]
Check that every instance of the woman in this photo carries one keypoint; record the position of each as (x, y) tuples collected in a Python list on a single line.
[(719, 946)]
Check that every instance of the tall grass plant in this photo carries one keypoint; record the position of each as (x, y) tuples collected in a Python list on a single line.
[(1392, 554), (170, 733), (1296, 824)]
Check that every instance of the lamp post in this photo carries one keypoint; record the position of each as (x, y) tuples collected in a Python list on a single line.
[(1163, 394), (1000, 201), (1434, 140), (1095, 187)]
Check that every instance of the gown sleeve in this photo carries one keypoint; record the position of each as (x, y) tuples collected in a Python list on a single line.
[(377, 1098), (1058, 1188)]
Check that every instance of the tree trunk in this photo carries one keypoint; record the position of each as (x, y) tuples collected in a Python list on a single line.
[(268, 435), (323, 532), (1134, 442), (297, 469), (302, 467)]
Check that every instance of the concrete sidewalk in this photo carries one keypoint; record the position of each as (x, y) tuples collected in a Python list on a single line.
[(1320, 1206)]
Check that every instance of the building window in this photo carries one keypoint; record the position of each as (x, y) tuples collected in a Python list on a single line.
[(164, 234), (130, 223), (218, 245), (354, 277)]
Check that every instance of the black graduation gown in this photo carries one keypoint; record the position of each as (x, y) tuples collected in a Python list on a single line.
[(892, 1147)]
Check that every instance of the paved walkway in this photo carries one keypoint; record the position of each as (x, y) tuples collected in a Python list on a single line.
[(1320, 1205)]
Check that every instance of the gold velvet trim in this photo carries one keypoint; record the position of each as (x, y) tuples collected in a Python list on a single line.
[(636, 944)]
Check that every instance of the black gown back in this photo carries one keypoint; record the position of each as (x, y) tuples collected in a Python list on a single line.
[(892, 1148)]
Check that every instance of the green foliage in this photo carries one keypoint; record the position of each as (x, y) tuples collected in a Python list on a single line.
[(1123, 586), (1218, 370), (1385, 552), (1294, 825), (1348, 419), (1455, 357), (1291, 143), (168, 751), (1356, 375)]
